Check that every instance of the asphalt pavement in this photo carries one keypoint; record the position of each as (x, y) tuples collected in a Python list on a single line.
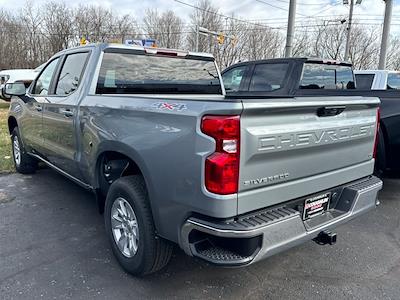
[(53, 246)]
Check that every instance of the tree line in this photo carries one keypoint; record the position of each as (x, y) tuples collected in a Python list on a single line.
[(33, 34)]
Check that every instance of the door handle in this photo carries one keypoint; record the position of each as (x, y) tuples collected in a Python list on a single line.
[(38, 108), (67, 112)]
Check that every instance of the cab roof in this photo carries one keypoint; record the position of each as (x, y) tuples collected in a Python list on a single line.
[(154, 50), (294, 60)]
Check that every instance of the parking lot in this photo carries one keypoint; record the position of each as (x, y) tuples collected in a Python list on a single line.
[(52, 245)]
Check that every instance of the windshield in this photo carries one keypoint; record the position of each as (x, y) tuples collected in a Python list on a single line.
[(126, 73), (324, 76)]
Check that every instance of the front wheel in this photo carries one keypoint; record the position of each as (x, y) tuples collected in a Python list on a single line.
[(24, 163), (130, 227)]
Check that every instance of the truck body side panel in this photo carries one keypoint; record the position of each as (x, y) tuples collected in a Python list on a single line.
[(166, 144)]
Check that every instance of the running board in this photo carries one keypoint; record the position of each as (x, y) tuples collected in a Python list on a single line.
[(62, 172)]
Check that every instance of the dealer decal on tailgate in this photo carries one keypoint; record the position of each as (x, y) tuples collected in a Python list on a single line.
[(316, 205)]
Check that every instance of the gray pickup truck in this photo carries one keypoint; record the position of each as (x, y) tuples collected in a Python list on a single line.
[(171, 160)]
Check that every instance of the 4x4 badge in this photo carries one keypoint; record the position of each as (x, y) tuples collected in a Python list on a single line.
[(169, 106)]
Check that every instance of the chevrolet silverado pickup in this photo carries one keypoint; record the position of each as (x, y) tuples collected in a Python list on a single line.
[(171, 160)]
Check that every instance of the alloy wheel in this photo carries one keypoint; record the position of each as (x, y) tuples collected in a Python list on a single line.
[(124, 227)]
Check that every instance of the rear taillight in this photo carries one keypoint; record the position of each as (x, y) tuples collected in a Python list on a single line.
[(222, 167), (378, 118)]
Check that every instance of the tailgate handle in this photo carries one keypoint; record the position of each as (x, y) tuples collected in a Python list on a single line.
[(329, 111)]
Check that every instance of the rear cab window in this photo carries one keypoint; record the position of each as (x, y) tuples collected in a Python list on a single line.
[(138, 73), (268, 77), (327, 76), (364, 81)]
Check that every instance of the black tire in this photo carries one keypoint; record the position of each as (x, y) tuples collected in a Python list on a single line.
[(25, 164), (153, 252)]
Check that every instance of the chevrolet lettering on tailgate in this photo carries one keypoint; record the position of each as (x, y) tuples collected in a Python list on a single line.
[(317, 137)]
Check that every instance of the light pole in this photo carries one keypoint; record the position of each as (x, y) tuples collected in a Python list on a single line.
[(290, 29), (385, 34)]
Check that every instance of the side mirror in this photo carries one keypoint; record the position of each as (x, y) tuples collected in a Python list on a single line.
[(15, 89)]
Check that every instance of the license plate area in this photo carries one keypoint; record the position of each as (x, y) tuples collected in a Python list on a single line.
[(316, 205)]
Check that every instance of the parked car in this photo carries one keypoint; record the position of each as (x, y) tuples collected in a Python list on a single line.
[(25, 76), (303, 82), (230, 180), (377, 79), (386, 86)]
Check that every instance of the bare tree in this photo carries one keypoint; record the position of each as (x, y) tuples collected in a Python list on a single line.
[(166, 28), (57, 25), (13, 46), (30, 22), (233, 48), (393, 59), (101, 23), (329, 40), (364, 49), (206, 16), (263, 42), (124, 27), (94, 23), (30, 36), (83, 23)]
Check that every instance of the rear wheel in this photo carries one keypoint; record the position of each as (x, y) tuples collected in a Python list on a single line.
[(130, 227), (24, 163)]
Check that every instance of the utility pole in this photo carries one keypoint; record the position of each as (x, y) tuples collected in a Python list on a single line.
[(290, 28), (347, 50), (197, 38), (385, 34)]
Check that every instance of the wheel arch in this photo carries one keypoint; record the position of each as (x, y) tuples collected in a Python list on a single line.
[(116, 150)]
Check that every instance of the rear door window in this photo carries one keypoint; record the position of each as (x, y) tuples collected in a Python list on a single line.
[(233, 78), (71, 73), (129, 73), (326, 76), (364, 81), (268, 77)]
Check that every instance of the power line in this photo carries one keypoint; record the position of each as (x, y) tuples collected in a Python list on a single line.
[(217, 14), (324, 10), (274, 6), (17, 29), (300, 3)]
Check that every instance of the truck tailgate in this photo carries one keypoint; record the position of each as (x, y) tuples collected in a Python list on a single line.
[(298, 146)]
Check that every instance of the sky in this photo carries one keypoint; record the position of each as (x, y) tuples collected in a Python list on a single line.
[(269, 12)]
